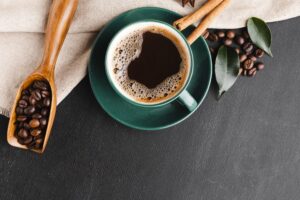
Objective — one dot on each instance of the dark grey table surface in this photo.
(246, 146)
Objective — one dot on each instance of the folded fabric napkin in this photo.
(22, 25)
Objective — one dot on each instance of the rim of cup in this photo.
(121, 34)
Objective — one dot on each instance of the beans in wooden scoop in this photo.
(32, 114)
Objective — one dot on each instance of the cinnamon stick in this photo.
(207, 21)
(186, 21)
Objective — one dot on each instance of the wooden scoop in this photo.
(59, 20)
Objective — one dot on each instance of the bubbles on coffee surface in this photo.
(129, 49)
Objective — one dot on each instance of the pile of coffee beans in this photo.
(241, 42)
(32, 113)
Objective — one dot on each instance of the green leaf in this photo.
(226, 69)
(260, 34)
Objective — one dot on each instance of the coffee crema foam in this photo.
(128, 49)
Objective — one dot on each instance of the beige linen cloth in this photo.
(22, 23)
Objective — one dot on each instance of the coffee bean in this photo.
(240, 71)
(32, 100)
(44, 111)
(47, 102)
(37, 94)
(30, 89)
(39, 140)
(248, 64)
(248, 53)
(38, 137)
(252, 57)
(228, 42)
(39, 105)
(31, 145)
(29, 110)
(25, 97)
(260, 66)
(40, 85)
(43, 122)
(237, 50)
(205, 35)
(221, 34)
(37, 116)
(230, 34)
(252, 72)
(213, 37)
(34, 123)
(26, 126)
(240, 40)
(35, 132)
(23, 104)
(19, 111)
(21, 118)
(20, 141)
(35, 146)
(246, 34)
(259, 53)
(243, 57)
(23, 133)
(25, 92)
(248, 47)
(45, 94)
(20, 125)
(38, 143)
(27, 140)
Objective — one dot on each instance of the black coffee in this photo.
(150, 64)
(158, 60)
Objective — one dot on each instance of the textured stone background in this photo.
(246, 146)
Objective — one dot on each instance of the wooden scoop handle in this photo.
(59, 20)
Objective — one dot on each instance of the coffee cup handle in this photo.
(186, 99)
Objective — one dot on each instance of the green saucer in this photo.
(135, 116)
